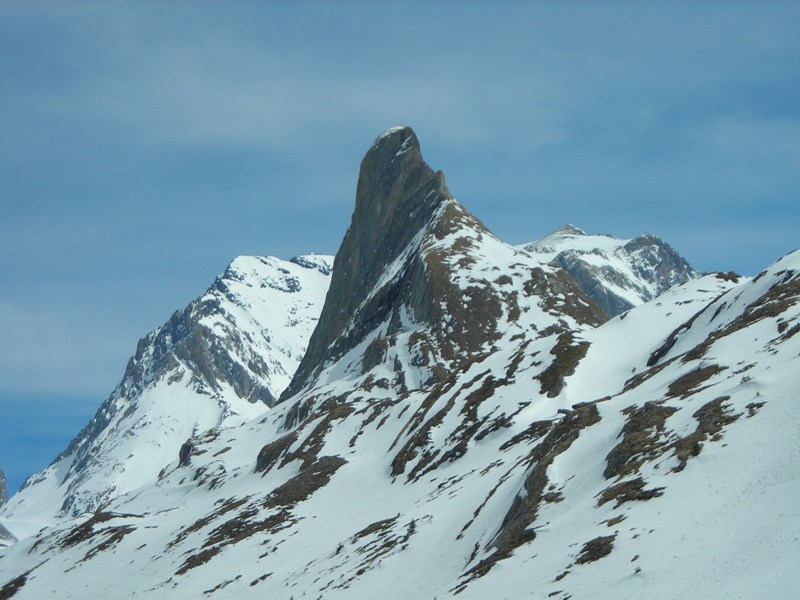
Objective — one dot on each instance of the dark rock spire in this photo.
(399, 201)
(397, 195)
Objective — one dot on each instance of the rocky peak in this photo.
(658, 263)
(542, 444)
(398, 199)
(618, 274)
(397, 195)
(222, 360)
(412, 277)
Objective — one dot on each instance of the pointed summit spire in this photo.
(397, 194)
(380, 266)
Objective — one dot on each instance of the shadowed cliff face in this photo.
(397, 195)
(381, 266)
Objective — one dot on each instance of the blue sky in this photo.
(143, 146)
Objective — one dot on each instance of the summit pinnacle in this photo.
(412, 266)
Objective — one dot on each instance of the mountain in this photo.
(420, 287)
(222, 360)
(3, 488)
(470, 424)
(617, 274)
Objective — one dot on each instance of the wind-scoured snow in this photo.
(571, 238)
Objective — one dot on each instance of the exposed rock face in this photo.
(6, 537)
(657, 263)
(617, 274)
(3, 488)
(397, 196)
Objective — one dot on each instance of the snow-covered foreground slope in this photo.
(678, 485)
(617, 274)
(219, 362)
(471, 428)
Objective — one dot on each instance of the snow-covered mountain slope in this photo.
(617, 274)
(219, 362)
(471, 428)
(6, 537)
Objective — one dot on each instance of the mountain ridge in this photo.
(617, 273)
(217, 362)
(527, 444)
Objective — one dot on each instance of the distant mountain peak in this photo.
(223, 359)
(567, 229)
(617, 273)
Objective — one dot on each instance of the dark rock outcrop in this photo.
(6, 537)
(402, 206)
(658, 262)
(3, 488)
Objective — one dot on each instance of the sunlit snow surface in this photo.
(725, 526)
